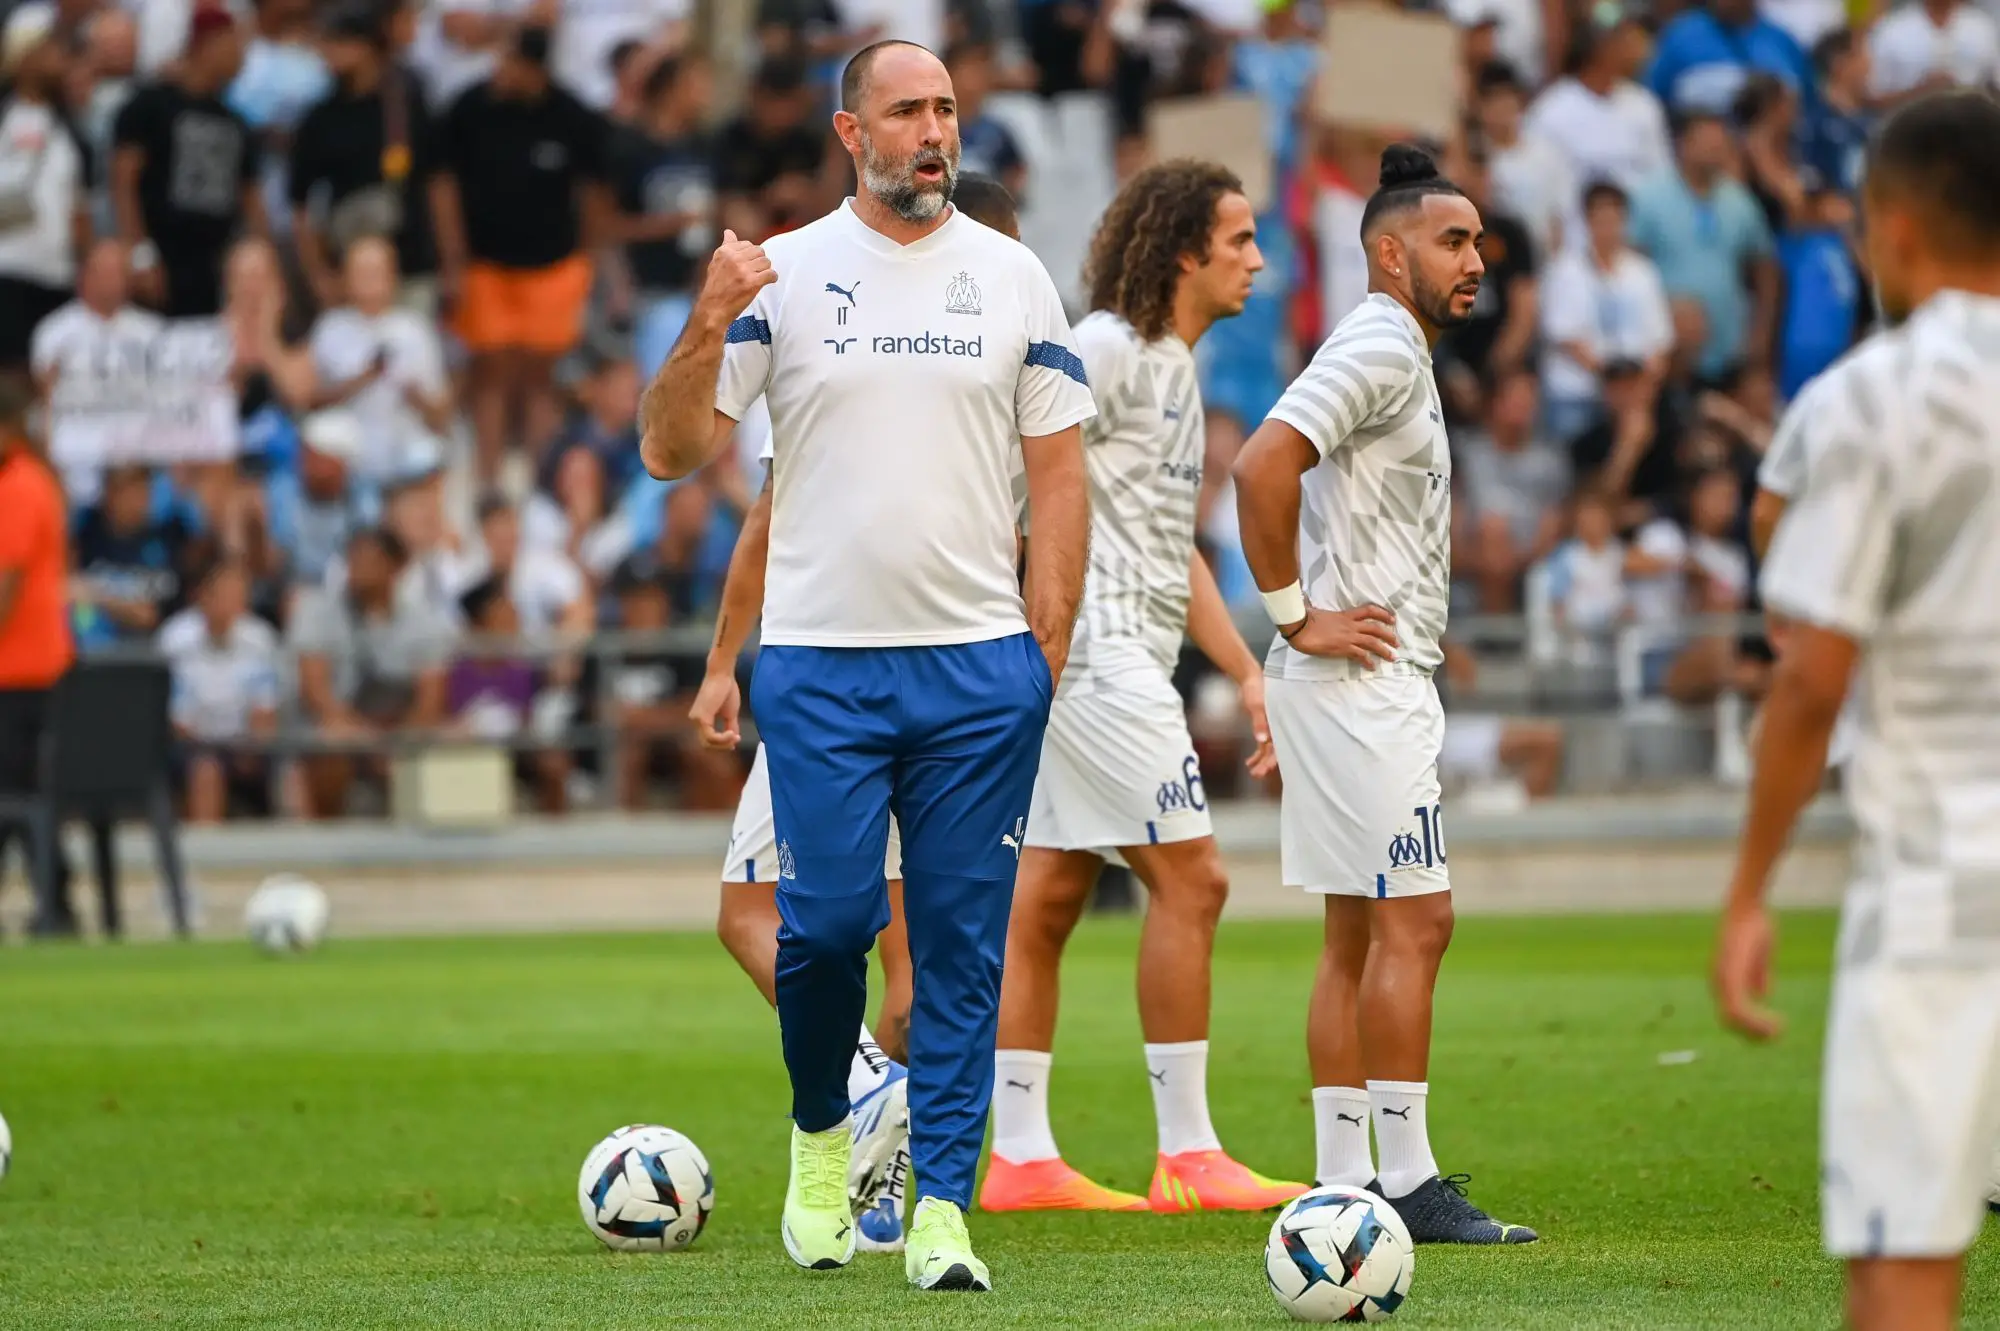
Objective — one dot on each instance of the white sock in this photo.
(1179, 1074)
(1021, 1106)
(1402, 1135)
(1340, 1131)
(869, 1069)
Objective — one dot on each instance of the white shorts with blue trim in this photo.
(1118, 769)
(753, 838)
(1361, 814)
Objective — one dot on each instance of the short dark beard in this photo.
(1434, 304)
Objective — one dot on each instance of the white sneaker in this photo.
(881, 1225)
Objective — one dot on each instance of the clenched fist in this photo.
(736, 272)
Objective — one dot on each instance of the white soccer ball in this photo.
(6, 1146)
(286, 913)
(646, 1188)
(1339, 1254)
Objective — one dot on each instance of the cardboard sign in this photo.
(158, 396)
(1227, 129)
(1385, 69)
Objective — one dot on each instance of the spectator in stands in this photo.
(282, 76)
(35, 644)
(225, 670)
(1632, 453)
(491, 691)
(1707, 236)
(129, 562)
(1766, 120)
(1923, 45)
(44, 199)
(275, 377)
(1530, 176)
(1601, 303)
(75, 356)
(370, 662)
(1704, 570)
(1825, 302)
(985, 144)
(768, 161)
(110, 58)
(523, 203)
(1607, 126)
(185, 172)
(381, 362)
(1705, 54)
(364, 163)
(313, 512)
(607, 426)
(1499, 337)
(663, 183)
(1587, 578)
(651, 689)
(1487, 750)
(577, 516)
(589, 32)
(1833, 128)
(413, 510)
(547, 593)
(1515, 483)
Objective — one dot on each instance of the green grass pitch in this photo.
(387, 1134)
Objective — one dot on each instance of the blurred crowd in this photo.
(338, 314)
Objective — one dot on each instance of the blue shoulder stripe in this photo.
(1056, 356)
(748, 328)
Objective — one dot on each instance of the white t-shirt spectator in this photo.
(448, 69)
(542, 584)
(1517, 35)
(88, 357)
(1905, 48)
(1533, 181)
(218, 686)
(1725, 563)
(590, 30)
(38, 157)
(1620, 315)
(545, 526)
(345, 342)
(1620, 137)
(1588, 586)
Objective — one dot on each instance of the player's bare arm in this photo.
(1268, 495)
(718, 704)
(1214, 631)
(1059, 508)
(1808, 687)
(680, 429)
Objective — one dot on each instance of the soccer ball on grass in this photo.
(645, 1188)
(286, 913)
(1339, 1255)
(6, 1146)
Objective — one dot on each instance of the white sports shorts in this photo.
(753, 838)
(1118, 769)
(1361, 814)
(1910, 1101)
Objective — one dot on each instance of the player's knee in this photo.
(1199, 892)
(832, 928)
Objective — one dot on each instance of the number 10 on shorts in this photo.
(1431, 820)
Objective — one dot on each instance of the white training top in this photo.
(1894, 541)
(1375, 525)
(1143, 454)
(901, 380)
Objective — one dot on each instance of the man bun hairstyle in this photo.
(1408, 175)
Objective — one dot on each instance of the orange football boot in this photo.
(1048, 1185)
(1211, 1181)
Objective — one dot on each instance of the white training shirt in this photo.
(901, 380)
(1375, 524)
(1144, 457)
(1894, 541)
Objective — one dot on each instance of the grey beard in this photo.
(901, 192)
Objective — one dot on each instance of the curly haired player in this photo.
(1174, 253)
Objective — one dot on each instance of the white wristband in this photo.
(1287, 605)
